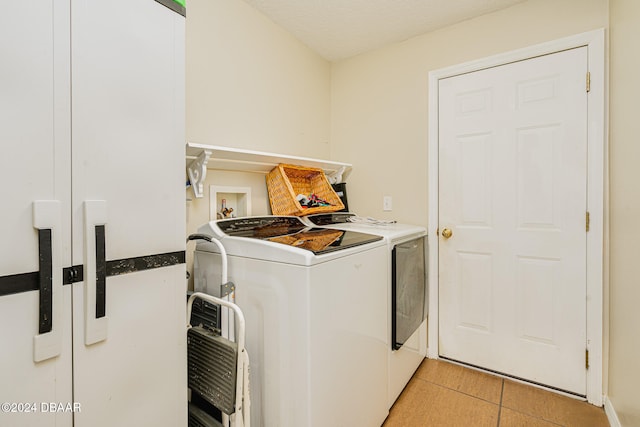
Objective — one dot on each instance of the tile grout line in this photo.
(535, 416)
(500, 405)
(437, 384)
(430, 379)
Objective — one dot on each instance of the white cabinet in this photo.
(92, 142)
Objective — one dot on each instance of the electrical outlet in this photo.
(387, 203)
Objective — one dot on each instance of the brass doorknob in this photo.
(446, 233)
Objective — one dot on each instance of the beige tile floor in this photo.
(445, 394)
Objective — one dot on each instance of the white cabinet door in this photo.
(92, 134)
(35, 326)
(128, 177)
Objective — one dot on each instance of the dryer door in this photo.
(408, 290)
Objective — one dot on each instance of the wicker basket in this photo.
(285, 182)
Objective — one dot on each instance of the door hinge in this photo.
(588, 81)
(586, 359)
(587, 221)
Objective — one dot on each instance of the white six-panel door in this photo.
(512, 191)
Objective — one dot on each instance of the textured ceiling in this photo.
(338, 29)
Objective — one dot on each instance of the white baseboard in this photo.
(611, 413)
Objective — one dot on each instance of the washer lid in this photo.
(293, 232)
(261, 226)
(392, 232)
(329, 218)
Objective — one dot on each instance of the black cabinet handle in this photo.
(95, 272)
(48, 280)
(45, 281)
(101, 273)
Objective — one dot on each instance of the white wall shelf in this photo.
(202, 157)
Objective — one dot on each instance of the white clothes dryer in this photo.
(407, 287)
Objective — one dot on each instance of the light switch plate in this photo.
(387, 203)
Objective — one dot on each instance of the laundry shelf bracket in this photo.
(197, 171)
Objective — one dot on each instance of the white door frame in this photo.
(596, 177)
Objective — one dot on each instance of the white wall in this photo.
(624, 342)
(251, 85)
(380, 99)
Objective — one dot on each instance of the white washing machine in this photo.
(407, 287)
(314, 301)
